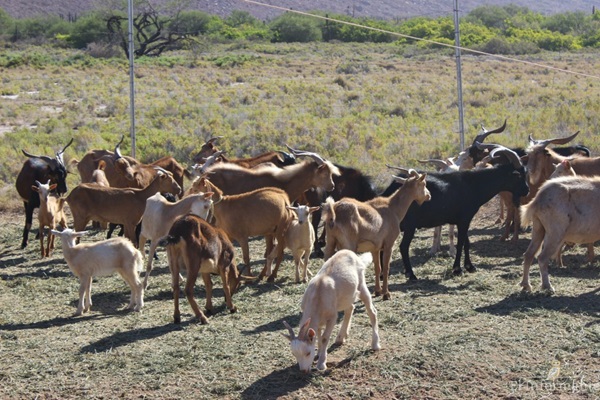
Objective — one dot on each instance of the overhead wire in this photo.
(466, 49)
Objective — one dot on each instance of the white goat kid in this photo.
(50, 214)
(103, 258)
(337, 285)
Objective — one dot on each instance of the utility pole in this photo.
(461, 124)
(131, 80)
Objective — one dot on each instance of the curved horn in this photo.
(440, 164)
(287, 156)
(49, 160)
(64, 148)
(546, 142)
(290, 330)
(510, 155)
(161, 169)
(117, 149)
(320, 160)
(214, 139)
(481, 137)
(403, 170)
(210, 160)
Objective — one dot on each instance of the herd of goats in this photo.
(279, 197)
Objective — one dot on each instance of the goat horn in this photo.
(510, 155)
(441, 164)
(546, 142)
(403, 170)
(49, 160)
(214, 139)
(117, 149)
(64, 148)
(320, 160)
(210, 160)
(481, 137)
(286, 156)
(290, 330)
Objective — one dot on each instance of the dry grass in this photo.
(474, 336)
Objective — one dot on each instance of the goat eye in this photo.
(308, 354)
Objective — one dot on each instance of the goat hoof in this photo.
(271, 279)
(208, 312)
(204, 321)
(177, 320)
(233, 310)
(471, 269)
(386, 296)
(412, 277)
(457, 272)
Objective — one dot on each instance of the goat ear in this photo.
(525, 159)
(313, 209)
(310, 335)
(208, 195)
(35, 188)
(53, 186)
(422, 177)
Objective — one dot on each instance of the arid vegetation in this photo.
(364, 105)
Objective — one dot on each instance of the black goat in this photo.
(350, 183)
(456, 196)
(42, 169)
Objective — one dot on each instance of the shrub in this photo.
(295, 28)
(88, 29)
(191, 23)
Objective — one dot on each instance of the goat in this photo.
(194, 245)
(261, 212)
(456, 197)
(373, 225)
(349, 183)
(278, 158)
(117, 205)
(39, 168)
(565, 209)
(87, 260)
(123, 171)
(299, 238)
(337, 285)
(293, 179)
(50, 213)
(159, 215)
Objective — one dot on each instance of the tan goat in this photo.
(261, 212)
(373, 225)
(564, 210)
(50, 214)
(194, 245)
(117, 205)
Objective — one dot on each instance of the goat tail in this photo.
(328, 212)
(169, 240)
(366, 258)
(527, 213)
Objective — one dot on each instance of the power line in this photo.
(423, 40)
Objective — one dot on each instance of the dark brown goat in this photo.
(278, 158)
(42, 169)
(196, 246)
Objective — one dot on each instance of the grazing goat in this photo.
(39, 168)
(564, 210)
(87, 260)
(337, 285)
(455, 199)
(50, 213)
(194, 245)
(261, 212)
(293, 179)
(117, 205)
(159, 215)
(373, 225)
(299, 238)
(278, 158)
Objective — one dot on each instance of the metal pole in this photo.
(461, 124)
(131, 79)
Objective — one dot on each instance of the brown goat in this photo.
(117, 205)
(262, 212)
(278, 158)
(196, 246)
(373, 225)
(293, 179)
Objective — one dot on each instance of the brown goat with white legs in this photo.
(196, 246)
(373, 225)
(87, 260)
(336, 287)
(50, 213)
(159, 215)
(293, 179)
(564, 210)
(117, 205)
(261, 212)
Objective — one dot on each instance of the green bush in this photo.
(295, 28)
(193, 23)
(490, 16)
(89, 29)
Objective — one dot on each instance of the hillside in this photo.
(384, 9)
